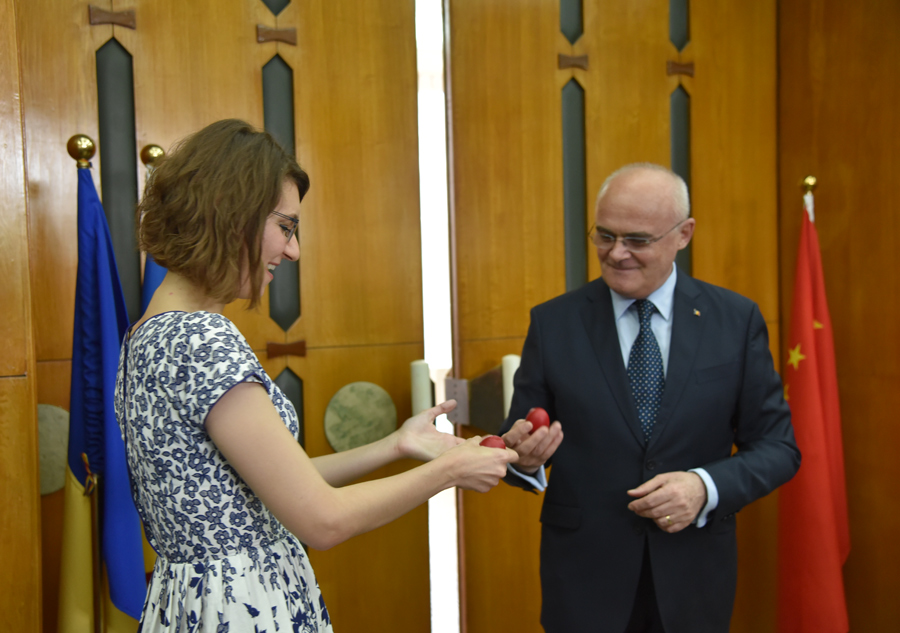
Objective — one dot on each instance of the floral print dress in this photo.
(226, 564)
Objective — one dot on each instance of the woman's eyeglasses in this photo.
(287, 229)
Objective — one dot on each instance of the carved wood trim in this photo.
(678, 68)
(570, 61)
(296, 348)
(126, 18)
(267, 34)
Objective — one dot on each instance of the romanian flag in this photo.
(813, 536)
(100, 524)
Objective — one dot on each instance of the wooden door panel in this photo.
(627, 93)
(512, 593)
(507, 168)
(15, 308)
(733, 141)
(733, 162)
(20, 528)
(20, 520)
(53, 380)
(508, 188)
(355, 95)
(354, 70)
(59, 99)
(501, 533)
(379, 579)
(196, 63)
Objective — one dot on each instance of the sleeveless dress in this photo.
(226, 564)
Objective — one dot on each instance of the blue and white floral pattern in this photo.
(226, 564)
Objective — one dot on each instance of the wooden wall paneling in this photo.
(733, 136)
(360, 269)
(838, 121)
(733, 158)
(626, 91)
(501, 532)
(508, 164)
(53, 380)
(381, 576)
(20, 523)
(59, 99)
(195, 64)
(15, 310)
(627, 96)
(355, 94)
(20, 528)
(350, 129)
(507, 152)
(52, 506)
(754, 606)
(199, 64)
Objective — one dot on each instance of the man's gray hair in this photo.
(682, 200)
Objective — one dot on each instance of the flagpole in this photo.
(91, 491)
(82, 148)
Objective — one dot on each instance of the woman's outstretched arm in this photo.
(248, 431)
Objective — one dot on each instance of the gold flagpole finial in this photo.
(809, 184)
(81, 148)
(150, 154)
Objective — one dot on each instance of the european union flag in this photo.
(100, 323)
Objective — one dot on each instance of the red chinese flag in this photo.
(813, 534)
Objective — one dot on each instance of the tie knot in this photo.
(645, 310)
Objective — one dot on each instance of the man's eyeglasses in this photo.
(287, 229)
(605, 241)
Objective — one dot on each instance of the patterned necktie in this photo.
(645, 370)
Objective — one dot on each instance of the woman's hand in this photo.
(475, 467)
(418, 438)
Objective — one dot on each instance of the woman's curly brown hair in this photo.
(205, 207)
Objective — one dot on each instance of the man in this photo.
(638, 521)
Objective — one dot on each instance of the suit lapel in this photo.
(600, 325)
(687, 328)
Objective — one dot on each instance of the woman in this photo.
(225, 491)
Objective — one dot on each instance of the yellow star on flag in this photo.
(817, 325)
(795, 357)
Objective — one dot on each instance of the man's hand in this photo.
(533, 449)
(672, 500)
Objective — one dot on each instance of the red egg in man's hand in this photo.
(538, 418)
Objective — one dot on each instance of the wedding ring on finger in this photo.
(668, 519)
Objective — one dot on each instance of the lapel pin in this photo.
(696, 312)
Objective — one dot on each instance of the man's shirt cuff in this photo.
(712, 496)
(538, 480)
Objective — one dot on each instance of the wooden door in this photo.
(20, 520)
(509, 251)
(354, 80)
(510, 67)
